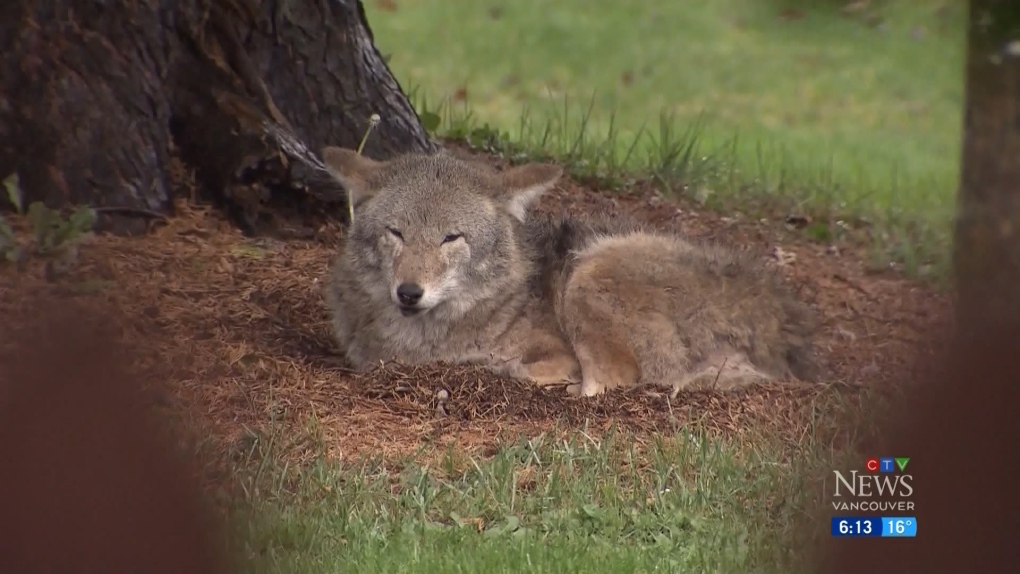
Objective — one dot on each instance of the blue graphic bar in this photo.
(874, 526)
(856, 526)
(899, 526)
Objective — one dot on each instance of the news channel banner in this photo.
(881, 494)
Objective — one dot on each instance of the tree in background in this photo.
(109, 103)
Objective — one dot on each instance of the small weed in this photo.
(13, 186)
(9, 248)
(55, 237)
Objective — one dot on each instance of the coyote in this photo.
(444, 263)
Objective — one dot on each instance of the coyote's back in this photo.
(443, 263)
(644, 306)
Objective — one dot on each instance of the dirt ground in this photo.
(234, 334)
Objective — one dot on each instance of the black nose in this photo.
(409, 293)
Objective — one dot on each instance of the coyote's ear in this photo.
(526, 183)
(353, 170)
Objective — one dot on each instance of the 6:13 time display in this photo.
(856, 526)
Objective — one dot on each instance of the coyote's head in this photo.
(433, 233)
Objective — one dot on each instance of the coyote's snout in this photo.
(444, 263)
(421, 271)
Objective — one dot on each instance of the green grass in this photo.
(680, 503)
(833, 115)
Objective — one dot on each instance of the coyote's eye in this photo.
(395, 233)
(452, 237)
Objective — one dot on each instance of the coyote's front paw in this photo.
(554, 371)
(582, 389)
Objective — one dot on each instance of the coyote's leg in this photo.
(599, 330)
(723, 370)
(605, 363)
(547, 359)
(556, 370)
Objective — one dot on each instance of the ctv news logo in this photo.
(883, 478)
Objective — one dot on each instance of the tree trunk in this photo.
(987, 246)
(101, 98)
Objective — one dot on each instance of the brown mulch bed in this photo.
(235, 333)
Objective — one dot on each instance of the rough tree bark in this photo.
(987, 246)
(101, 97)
